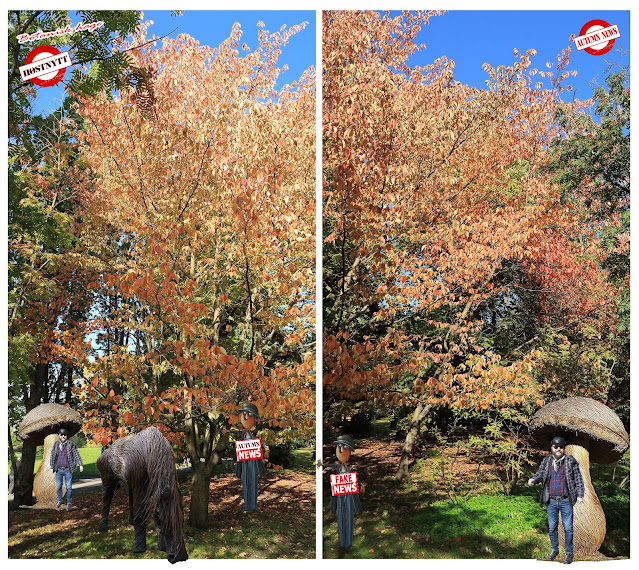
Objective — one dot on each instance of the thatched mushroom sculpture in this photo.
(40, 426)
(593, 432)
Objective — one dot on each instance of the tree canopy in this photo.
(204, 190)
(454, 260)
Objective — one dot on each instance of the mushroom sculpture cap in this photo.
(582, 421)
(46, 419)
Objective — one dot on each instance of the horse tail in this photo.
(163, 493)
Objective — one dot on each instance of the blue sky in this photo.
(212, 28)
(471, 38)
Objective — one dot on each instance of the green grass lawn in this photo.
(89, 456)
(400, 520)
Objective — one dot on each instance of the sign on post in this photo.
(248, 449)
(344, 484)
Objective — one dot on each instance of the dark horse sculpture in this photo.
(145, 462)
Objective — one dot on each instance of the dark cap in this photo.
(250, 409)
(345, 441)
(63, 431)
(558, 440)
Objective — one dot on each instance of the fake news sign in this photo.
(248, 449)
(344, 484)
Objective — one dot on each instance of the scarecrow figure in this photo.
(344, 506)
(250, 469)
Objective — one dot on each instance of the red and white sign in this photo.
(248, 449)
(344, 484)
(597, 37)
(45, 66)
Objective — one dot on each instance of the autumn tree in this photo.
(48, 299)
(597, 155)
(438, 206)
(202, 215)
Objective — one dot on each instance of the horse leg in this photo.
(108, 489)
(130, 504)
(162, 543)
(139, 511)
(139, 537)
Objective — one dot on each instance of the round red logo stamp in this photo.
(45, 66)
(597, 37)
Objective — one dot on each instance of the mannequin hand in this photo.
(81, 468)
(580, 500)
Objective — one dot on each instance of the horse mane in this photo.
(148, 454)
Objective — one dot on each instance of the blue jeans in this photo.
(553, 509)
(66, 474)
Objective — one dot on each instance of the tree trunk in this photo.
(421, 411)
(23, 493)
(200, 482)
(13, 459)
(512, 479)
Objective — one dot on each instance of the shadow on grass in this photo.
(396, 525)
(410, 520)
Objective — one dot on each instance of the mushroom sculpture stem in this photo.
(589, 521)
(44, 483)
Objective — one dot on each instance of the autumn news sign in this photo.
(344, 484)
(248, 449)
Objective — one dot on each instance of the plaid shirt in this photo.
(573, 480)
(558, 482)
(62, 461)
